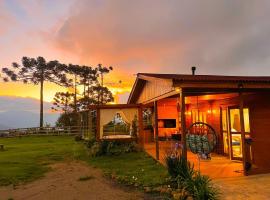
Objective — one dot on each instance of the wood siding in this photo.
(154, 88)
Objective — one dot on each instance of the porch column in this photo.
(141, 133)
(156, 129)
(183, 122)
(243, 143)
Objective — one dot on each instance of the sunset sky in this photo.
(228, 37)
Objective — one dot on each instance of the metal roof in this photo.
(188, 77)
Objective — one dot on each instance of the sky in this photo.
(227, 37)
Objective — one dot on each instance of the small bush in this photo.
(200, 188)
(112, 148)
(179, 166)
(90, 143)
(78, 138)
(95, 149)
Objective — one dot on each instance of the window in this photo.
(246, 120)
(235, 120)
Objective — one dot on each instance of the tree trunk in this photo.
(84, 85)
(75, 93)
(66, 103)
(88, 93)
(41, 104)
(101, 88)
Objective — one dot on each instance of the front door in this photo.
(235, 131)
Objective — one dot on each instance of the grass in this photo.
(86, 178)
(136, 168)
(27, 158)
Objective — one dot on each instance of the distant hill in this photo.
(4, 127)
(18, 112)
(23, 119)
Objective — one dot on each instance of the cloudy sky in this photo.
(230, 37)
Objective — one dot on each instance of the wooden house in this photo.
(237, 108)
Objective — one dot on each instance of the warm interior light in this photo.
(177, 89)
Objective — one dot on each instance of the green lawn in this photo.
(136, 168)
(27, 158)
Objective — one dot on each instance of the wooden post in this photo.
(140, 123)
(242, 123)
(90, 124)
(156, 129)
(98, 124)
(183, 123)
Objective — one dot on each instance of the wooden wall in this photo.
(259, 106)
(154, 88)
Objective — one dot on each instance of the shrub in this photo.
(200, 188)
(178, 165)
(95, 149)
(111, 147)
(90, 143)
(184, 177)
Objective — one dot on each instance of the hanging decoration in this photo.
(201, 139)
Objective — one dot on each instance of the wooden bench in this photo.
(1, 147)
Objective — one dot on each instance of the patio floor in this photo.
(245, 187)
(218, 167)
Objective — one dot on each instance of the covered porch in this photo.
(170, 128)
(176, 107)
(218, 167)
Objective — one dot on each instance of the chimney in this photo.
(193, 70)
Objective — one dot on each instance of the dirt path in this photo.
(62, 183)
(245, 188)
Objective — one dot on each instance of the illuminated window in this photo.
(235, 120)
(246, 120)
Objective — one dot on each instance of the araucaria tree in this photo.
(64, 102)
(38, 71)
(75, 71)
(101, 72)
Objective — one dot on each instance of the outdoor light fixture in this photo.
(177, 89)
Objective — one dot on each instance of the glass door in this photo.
(235, 131)
(225, 134)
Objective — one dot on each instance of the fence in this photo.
(84, 131)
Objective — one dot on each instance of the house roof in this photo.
(188, 77)
(143, 77)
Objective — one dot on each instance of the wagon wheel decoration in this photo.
(201, 139)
